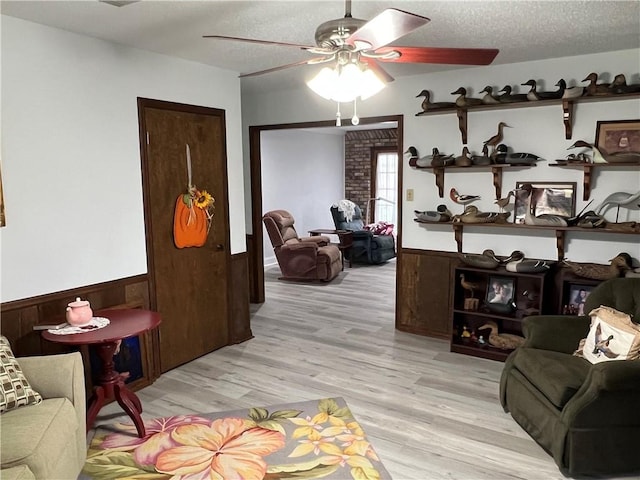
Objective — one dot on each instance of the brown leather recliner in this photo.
(306, 258)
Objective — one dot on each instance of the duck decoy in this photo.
(596, 155)
(618, 267)
(463, 100)
(508, 97)
(619, 199)
(595, 88)
(570, 92)
(505, 341)
(480, 260)
(440, 159)
(432, 216)
(471, 287)
(427, 105)
(533, 94)
(521, 158)
(543, 220)
(619, 85)
(471, 214)
(413, 156)
(497, 138)
(488, 98)
(528, 266)
(419, 162)
(462, 199)
(483, 159)
(464, 160)
(503, 202)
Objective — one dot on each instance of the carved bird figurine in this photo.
(428, 105)
(618, 267)
(506, 341)
(471, 287)
(413, 156)
(488, 98)
(508, 97)
(595, 88)
(596, 155)
(463, 100)
(497, 138)
(504, 201)
(462, 199)
(533, 93)
(570, 92)
(440, 159)
(619, 199)
(619, 85)
(464, 160)
(602, 344)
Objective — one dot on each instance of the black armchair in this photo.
(367, 247)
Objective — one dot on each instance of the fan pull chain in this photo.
(355, 120)
(338, 117)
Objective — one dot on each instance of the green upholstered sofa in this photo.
(586, 416)
(47, 440)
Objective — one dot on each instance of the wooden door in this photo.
(189, 286)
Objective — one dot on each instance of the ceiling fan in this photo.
(351, 39)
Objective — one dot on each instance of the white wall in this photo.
(538, 130)
(303, 173)
(71, 157)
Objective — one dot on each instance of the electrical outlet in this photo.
(409, 194)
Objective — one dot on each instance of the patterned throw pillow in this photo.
(613, 336)
(15, 390)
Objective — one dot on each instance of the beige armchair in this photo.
(48, 440)
(306, 258)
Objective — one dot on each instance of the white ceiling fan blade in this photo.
(388, 26)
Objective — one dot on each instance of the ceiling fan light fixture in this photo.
(345, 83)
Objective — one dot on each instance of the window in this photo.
(384, 188)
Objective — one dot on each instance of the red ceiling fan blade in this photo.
(388, 26)
(452, 56)
(377, 69)
(282, 67)
(253, 40)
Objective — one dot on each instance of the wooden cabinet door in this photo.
(189, 286)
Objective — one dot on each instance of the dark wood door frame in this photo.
(255, 159)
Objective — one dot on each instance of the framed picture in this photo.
(551, 198)
(500, 291)
(578, 294)
(618, 136)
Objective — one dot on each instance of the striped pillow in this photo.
(15, 390)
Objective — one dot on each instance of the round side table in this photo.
(123, 324)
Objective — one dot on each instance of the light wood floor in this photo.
(429, 413)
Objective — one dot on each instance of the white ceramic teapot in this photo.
(79, 312)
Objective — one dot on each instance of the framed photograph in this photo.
(551, 198)
(618, 136)
(500, 291)
(578, 294)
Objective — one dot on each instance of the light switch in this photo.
(409, 194)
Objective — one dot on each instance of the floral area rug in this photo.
(315, 439)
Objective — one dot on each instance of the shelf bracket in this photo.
(560, 237)
(497, 181)
(439, 173)
(457, 234)
(567, 117)
(462, 123)
(586, 182)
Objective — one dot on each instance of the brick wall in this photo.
(358, 145)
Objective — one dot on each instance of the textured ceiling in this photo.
(522, 30)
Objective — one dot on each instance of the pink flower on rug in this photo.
(228, 449)
(157, 438)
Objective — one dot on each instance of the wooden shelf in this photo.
(588, 169)
(560, 232)
(496, 171)
(567, 105)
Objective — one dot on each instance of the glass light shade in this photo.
(345, 84)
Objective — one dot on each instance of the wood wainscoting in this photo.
(20, 316)
(423, 285)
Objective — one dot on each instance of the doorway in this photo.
(255, 241)
(189, 287)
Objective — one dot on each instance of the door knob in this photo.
(219, 247)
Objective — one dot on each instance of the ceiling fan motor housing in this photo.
(334, 32)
